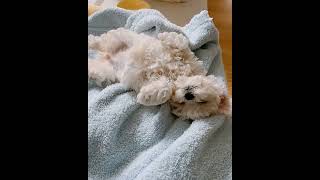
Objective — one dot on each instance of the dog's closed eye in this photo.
(202, 102)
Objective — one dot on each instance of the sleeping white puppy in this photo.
(159, 69)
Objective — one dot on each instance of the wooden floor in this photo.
(221, 12)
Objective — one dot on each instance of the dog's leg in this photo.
(155, 93)
(174, 40)
(113, 41)
(101, 71)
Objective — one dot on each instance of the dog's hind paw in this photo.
(174, 40)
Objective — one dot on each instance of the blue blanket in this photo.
(129, 141)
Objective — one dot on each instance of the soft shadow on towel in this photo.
(129, 141)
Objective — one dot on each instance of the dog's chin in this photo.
(193, 110)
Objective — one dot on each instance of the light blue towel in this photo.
(129, 141)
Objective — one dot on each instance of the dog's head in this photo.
(199, 97)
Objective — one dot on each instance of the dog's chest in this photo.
(159, 62)
(171, 69)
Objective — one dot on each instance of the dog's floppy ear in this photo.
(225, 103)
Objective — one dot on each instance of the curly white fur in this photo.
(159, 69)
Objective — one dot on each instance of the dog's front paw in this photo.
(152, 96)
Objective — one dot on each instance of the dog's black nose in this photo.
(189, 96)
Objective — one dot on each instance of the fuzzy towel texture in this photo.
(129, 141)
